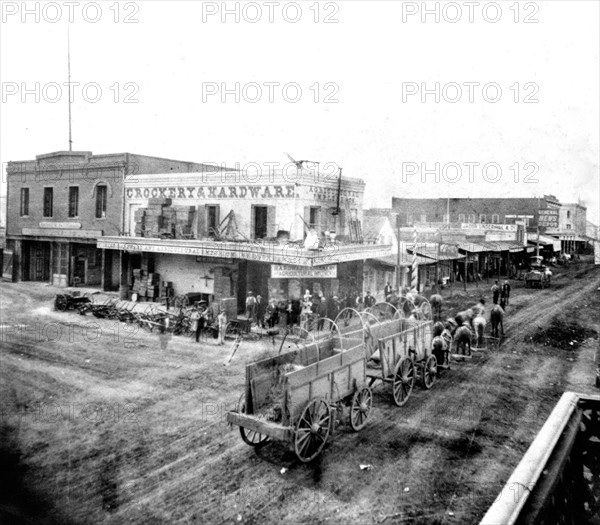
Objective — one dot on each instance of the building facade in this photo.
(220, 236)
(533, 211)
(59, 204)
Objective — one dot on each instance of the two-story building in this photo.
(223, 235)
(59, 204)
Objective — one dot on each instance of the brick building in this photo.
(223, 235)
(476, 210)
(572, 227)
(59, 205)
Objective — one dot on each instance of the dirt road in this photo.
(106, 426)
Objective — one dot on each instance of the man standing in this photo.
(369, 300)
(260, 311)
(495, 292)
(506, 290)
(387, 291)
(250, 307)
(222, 324)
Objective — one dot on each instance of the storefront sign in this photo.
(548, 218)
(48, 232)
(213, 192)
(486, 226)
(321, 193)
(282, 271)
(61, 225)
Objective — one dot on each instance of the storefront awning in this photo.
(545, 240)
(268, 252)
(509, 246)
(443, 252)
(405, 260)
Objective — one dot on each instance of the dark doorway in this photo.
(39, 261)
(260, 222)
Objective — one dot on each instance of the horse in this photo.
(479, 326)
(496, 318)
(465, 317)
(479, 308)
(462, 337)
(438, 328)
(440, 346)
(437, 301)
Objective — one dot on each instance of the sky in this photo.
(504, 100)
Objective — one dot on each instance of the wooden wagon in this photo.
(398, 347)
(293, 397)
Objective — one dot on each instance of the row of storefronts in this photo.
(178, 228)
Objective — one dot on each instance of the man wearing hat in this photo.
(250, 307)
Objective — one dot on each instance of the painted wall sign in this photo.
(282, 271)
(548, 218)
(330, 194)
(486, 226)
(212, 192)
(61, 225)
(50, 232)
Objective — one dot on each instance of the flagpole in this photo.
(69, 84)
(415, 265)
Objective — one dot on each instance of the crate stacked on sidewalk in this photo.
(138, 283)
(152, 289)
(167, 292)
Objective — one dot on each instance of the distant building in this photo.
(477, 210)
(60, 204)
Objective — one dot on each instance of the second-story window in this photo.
(495, 219)
(73, 201)
(24, 202)
(48, 201)
(481, 217)
(101, 202)
(461, 217)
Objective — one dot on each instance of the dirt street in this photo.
(103, 422)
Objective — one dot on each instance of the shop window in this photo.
(24, 202)
(314, 219)
(212, 220)
(101, 193)
(48, 201)
(260, 222)
(73, 201)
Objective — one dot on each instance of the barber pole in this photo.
(415, 265)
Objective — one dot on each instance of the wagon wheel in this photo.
(404, 380)
(312, 430)
(61, 303)
(362, 401)
(250, 437)
(429, 372)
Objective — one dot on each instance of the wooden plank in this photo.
(268, 428)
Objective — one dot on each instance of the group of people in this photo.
(501, 293)
(203, 318)
(302, 311)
